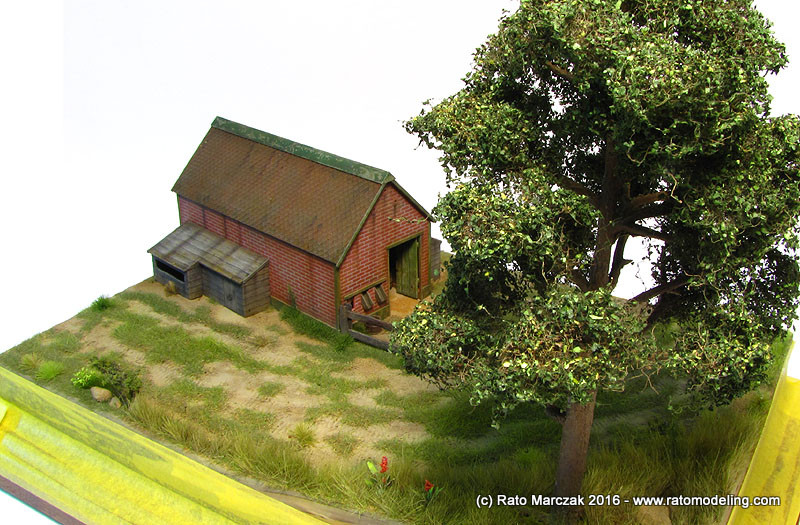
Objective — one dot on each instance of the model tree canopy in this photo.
(584, 123)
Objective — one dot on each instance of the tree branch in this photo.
(641, 200)
(560, 71)
(619, 261)
(643, 231)
(646, 212)
(661, 288)
(580, 189)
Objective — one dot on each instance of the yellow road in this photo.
(100, 472)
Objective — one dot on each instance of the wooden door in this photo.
(408, 269)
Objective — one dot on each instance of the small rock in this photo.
(115, 402)
(653, 515)
(101, 395)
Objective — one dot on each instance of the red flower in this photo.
(384, 464)
(428, 485)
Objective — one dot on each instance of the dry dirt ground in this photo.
(271, 341)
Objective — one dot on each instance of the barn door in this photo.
(408, 269)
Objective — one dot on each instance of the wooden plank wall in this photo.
(223, 290)
(256, 292)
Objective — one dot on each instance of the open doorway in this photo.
(404, 268)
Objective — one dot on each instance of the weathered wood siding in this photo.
(226, 292)
(256, 292)
(191, 287)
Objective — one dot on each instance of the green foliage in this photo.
(87, 377)
(583, 124)
(121, 381)
(49, 370)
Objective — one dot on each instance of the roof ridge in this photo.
(352, 167)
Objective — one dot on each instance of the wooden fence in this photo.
(346, 318)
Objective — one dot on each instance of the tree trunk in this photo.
(572, 456)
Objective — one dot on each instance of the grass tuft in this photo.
(30, 362)
(302, 435)
(49, 370)
(101, 304)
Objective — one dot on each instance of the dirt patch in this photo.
(367, 438)
(398, 381)
(101, 340)
(72, 326)
(365, 398)
(163, 374)
(241, 387)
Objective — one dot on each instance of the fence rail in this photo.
(346, 318)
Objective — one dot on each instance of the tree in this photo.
(584, 123)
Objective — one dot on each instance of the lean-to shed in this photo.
(328, 230)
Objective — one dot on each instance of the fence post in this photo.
(344, 318)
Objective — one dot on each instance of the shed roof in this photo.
(191, 244)
(311, 199)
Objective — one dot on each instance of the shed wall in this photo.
(226, 292)
(191, 287)
(393, 219)
(309, 279)
(256, 292)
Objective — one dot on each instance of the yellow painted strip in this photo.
(775, 467)
(101, 472)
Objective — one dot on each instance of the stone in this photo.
(653, 515)
(101, 395)
(115, 402)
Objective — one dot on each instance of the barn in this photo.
(263, 217)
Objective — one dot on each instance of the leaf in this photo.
(371, 467)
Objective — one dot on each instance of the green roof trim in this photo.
(301, 150)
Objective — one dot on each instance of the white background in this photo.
(104, 102)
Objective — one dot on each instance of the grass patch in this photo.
(172, 343)
(342, 443)
(350, 414)
(49, 370)
(270, 389)
(354, 350)
(305, 325)
(254, 418)
(201, 314)
(186, 390)
(638, 446)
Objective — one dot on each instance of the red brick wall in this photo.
(310, 278)
(368, 259)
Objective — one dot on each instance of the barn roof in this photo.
(190, 244)
(311, 199)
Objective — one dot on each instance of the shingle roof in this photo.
(311, 199)
(190, 244)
